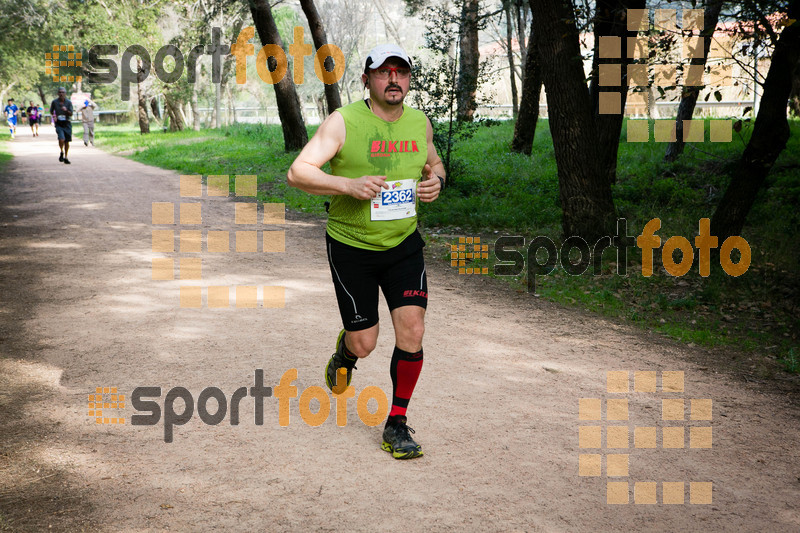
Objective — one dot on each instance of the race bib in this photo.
(396, 202)
(61, 118)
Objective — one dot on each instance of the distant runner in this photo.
(34, 113)
(61, 111)
(11, 111)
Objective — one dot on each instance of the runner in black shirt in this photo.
(61, 111)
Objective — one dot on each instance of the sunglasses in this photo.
(382, 73)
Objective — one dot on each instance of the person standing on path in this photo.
(87, 117)
(11, 111)
(382, 161)
(60, 113)
(34, 113)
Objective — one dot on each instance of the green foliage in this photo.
(433, 84)
(24, 28)
(497, 189)
(791, 361)
(286, 19)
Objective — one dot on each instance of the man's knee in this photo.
(361, 343)
(411, 329)
(416, 331)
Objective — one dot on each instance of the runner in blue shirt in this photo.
(11, 116)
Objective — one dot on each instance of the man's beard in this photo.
(394, 86)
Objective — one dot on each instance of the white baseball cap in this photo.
(378, 55)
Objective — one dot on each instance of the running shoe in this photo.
(61, 157)
(397, 439)
(66, 161)
(337, 361)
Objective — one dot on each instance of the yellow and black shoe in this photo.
(339, 360)
(397, 439)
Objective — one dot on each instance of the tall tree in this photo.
(510, 52)
(521, 9)
(332, 97)
(689, 94)
(470, 61)
(610, 21)
(141, 98)
(770, 133)
(584, 187)
(794, 97)
(525, 127)
(227, 65)
(295, 135)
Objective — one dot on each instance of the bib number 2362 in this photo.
(397, 202)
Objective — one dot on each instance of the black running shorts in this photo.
(357, 274)
(64, 131)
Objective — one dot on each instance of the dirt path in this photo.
(496, 408)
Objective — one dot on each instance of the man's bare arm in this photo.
(429, 188)
(306, 174)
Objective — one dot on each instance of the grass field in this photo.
(5, 156)
(495, 192)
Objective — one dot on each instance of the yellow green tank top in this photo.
(375, 147)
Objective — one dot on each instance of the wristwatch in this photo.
(441, 182)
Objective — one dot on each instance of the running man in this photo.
(11, 111)
(382, 160)
(34, 113)
(87, 117)
(60, 113)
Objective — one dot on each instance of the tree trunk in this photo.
(690, 93)
(770, 133)
(295, 135)
(388, 21)
(154, 108)
(195, 111)
(227, 64)
(144, 121)
(511, 69)
(470, 61)
(520, 8)
(347, 89)
(525, 127)
(231, 106)
(332, 96)
(42, 96)
(320, 101)
(172, 109)
(584, 188)
(611, 21)
(182, 109)
(217, 115)
(794, 97)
